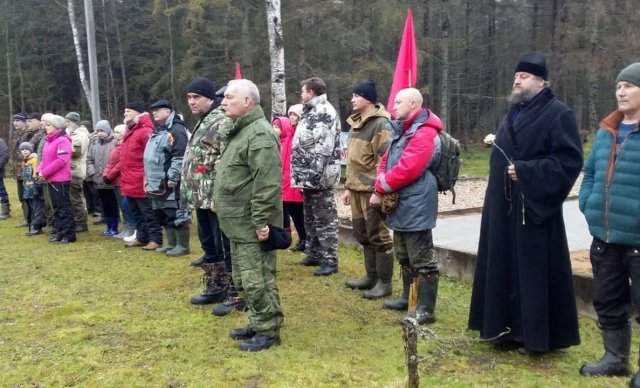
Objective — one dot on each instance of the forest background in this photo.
(149, 49)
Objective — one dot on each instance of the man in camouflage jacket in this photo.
(315, 167)
(196, 189)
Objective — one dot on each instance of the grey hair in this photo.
(245, 88)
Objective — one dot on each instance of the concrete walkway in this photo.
(461, 233)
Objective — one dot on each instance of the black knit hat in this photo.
(136, 105)
(35, 115)
(279, 238)
(21, 116)
(203, 87)
(161, 104)
(367, 89)
(533, 63)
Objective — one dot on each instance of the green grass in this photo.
(475, 161)
(92, 314)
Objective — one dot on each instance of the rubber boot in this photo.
(182, 246)
(615, 361)
(384, 265)
(215, 284)
(170, 241)
(427, 295)
(5, 210)
(401, 303)
(371, 277)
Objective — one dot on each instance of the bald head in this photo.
(240, 97)
(406, 103)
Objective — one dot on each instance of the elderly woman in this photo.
(55, 169)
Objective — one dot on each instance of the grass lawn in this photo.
(475, 161)
(92, 314)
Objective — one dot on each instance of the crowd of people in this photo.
(246, 178)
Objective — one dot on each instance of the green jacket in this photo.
(247, 189)
(200, 158)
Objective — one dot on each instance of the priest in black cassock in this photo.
(523, 290)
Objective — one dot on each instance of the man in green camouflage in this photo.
(198, 174)
(249, 206)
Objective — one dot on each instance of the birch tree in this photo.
(78, 48)
(276, 50)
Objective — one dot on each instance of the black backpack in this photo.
(447, 169)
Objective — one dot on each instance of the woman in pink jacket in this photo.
(55, 169)
(291, 198)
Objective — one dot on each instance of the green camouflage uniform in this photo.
(248, 198)
(200, 159)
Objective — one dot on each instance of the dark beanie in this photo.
(533, 63)
(630, 74)
(21, 116)
(136, 105)
(367, 89)
(161, 104)
(203, 87)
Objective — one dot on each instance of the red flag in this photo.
(405, 75)
(238, 71)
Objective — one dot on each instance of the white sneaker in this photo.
(131, 238)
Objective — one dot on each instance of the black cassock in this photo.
(523, 282)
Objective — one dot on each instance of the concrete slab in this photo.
(461, 233)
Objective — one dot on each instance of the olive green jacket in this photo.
(247, 185)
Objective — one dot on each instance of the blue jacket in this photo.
(610, 191)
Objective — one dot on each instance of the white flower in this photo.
(489, 139)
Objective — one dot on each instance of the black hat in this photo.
(136, 105)
(161, 104)
(21, 116)
(203, 87)
(533, 63)
(367, 89)
(279, 238)
(35, 115)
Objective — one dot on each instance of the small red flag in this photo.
(238, 72)
(405, 75)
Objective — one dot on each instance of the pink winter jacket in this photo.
(289, 194)
(56, 158)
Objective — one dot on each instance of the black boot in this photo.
(309, 262)
(384, 266)
(368, 281)
(615, 361)
(215, 283)
(427, 295)
(402, 302)
(233, 302)
(327, 268)
(170, 241)
(259, 342)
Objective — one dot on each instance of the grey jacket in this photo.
(97, 159)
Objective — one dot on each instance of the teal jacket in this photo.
(610, 191)
(247, 182)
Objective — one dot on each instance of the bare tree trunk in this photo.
(9, 85)
(123, 70)
(111, 83)
(20, 75)
(444, 98)
(78, 48)
(172, 66)
(594, 68)
(276, 49)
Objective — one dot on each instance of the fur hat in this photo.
(55, 120)
(533, 63)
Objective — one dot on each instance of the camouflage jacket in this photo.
(200, 159)
(369, 138)
(315, 153)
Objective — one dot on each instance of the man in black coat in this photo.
(523, 288)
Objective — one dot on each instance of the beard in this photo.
(519, 96)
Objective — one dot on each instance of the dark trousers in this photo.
(414, 250)
(78, 207)
(4, 196)
(214, 243)
(92, 197)
(23, 203)
(613, 265)
(48, 205)
(36, 212)
(295, 211)
(63, 223)
(109, 203)
(147, 227)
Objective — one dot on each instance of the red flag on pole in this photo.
(238, 72)
(405, 75)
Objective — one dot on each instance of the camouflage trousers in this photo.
(78, 206)
(415, 251)
(367, 221)
(321, 225)
(254, 271)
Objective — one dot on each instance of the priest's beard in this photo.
(519, 96)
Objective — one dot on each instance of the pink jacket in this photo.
(56, 158)
(289, 194)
